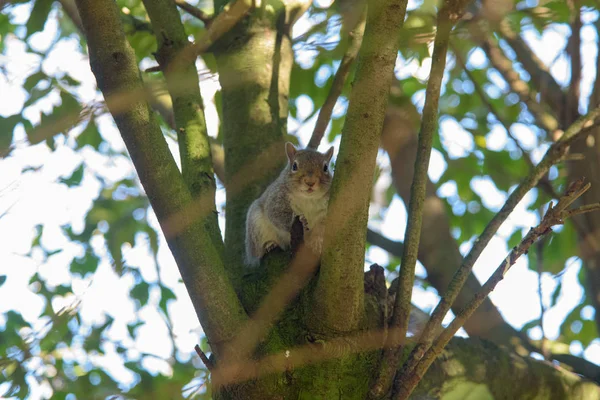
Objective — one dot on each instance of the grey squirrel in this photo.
(301, 190)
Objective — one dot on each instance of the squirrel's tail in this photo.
(252, 257)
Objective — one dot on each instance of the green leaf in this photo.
(15, 321)
(559, 248)
(166, 294)
(83, 266)
(35, 94)
(61, 120)
(555, 294)
(132, 327)
(2, 279)
(7, 127)
(531, 324)
(141, 293)
(75, 178)
(515, 238)
(39, 229)
(39, 15)
(33, 79)
(90, 136)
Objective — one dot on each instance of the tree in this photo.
(300, 326)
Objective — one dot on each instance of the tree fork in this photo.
(113, 63)
(254, 61)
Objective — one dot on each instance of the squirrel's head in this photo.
(308, 170)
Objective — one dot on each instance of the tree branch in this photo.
(595, 96)
(354, 41)
(438, 250)
(339, 292)
(71, 10)
(571, 107)
(550, 91)
(114, 65)
(544, 182)
(221, 24)
(194, 11)
(447, 16)
(391, 246)
(466, 365)
(497, 58)
(555, 154)
(188, 110)
(184, 88)
(554, 216)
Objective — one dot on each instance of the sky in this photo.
(37, 198)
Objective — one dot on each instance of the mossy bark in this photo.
(254, 62)
(339, 297)
(113, 63)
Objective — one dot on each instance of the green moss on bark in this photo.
(254, 62)
(199, 260)
(472, 366)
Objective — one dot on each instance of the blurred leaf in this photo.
(7, 126)
(75, 178)
(555, 294)
(63, 117)
(90, 136)
(140, 292)
(83, 266)
(515, 238)
(166, 294)
(132, 327)
(2, 279)
(33, 79)
(558, 248)
(39, 15)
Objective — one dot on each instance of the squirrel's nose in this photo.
(310, 183)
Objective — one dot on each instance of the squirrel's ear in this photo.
(290, 150)
(329, 154)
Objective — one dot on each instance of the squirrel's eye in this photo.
(295, 166)
(325, 168)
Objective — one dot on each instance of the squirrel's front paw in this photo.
(270, 246)
(304, 222)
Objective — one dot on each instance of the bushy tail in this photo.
(252, 256)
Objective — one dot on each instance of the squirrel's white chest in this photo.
(311, 209)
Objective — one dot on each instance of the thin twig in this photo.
(544, 182)
(541, 79)
(571, 108)
(555, 154)
(393, 247)
(540, 270)
(207, 363)
(505, 66)
(221, 24)
(447, 17)
(194, 11)
(354, 41)
(583, 209)
(554, 216)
